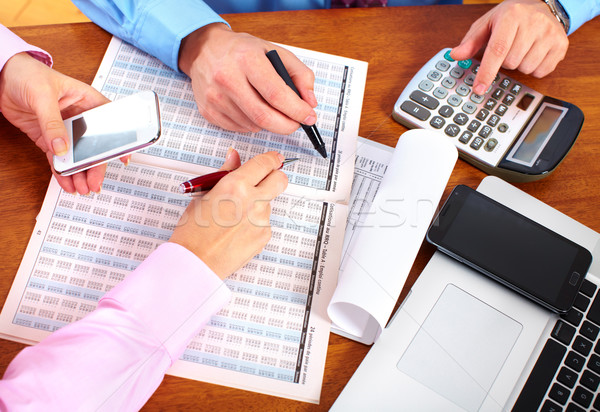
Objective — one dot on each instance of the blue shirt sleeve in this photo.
(155, 26)
(580, 11)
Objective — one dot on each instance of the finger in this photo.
(51, 123)
(218, 108)
(125, 160)
(302, 76)
(474, 40)
(257, 168)
(232, 160)
(272, 185)
(95, 177)
(279, 96)
(549, 63)
(498, 47)
(80, 183)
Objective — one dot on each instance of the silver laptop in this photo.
(462, 342)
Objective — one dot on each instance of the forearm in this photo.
(116, 357)
(155, 26)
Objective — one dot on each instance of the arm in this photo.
(35, 98)
(234, 84)
(520, 34)
(116, 357)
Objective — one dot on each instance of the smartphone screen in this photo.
(511, 248)
(110, 131)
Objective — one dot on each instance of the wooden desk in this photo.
(395, 42)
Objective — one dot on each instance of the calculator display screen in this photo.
(537, 134)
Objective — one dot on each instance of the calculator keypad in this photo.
(440, 97)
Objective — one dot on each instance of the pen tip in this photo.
(321, 149)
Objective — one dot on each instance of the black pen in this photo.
(311, 131)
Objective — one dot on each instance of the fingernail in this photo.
(280, 157)
(127, 161)
(479, 89)
(229, 152)
(310, 119)
(59, 146)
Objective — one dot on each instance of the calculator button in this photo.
(496, 79)
(476, 98)
(425, 85)
(501, 110)
(437, 122)
(457, 72)
(498, 93)
(442, 65)
(460, 119)
(490, 104)
(505, 83)
(502, 127)
(470, 79)
(485, 132)
(508, 99)
(482, 114)
(490, 144)
(446, 111)
(473, 126)
(447, 56)
(452, 130)
(476, 143)
(428, 101)
(516, 89)
(454, 100)
(463, 90)
(465, 137)
(465, 64)
(448, 82)
(440, 92)
(469, 108)
(415, 110)
(434, 75)
(475, 69)
(493, 120)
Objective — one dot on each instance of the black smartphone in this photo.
(510, 248)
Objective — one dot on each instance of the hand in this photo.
(35, 98)
(520, 34)
(229, 225)
(237, 88)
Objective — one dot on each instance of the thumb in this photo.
(232, 160)
(51, 124)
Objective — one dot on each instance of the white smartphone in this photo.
(110, 131)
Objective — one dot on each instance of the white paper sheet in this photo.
(384, 244)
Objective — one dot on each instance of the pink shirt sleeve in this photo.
(12, 44)
(115, 358)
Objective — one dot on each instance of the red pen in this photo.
(207, 182)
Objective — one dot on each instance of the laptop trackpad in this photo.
(460, 348)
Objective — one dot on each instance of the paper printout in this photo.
(386, 239)
(273, 335)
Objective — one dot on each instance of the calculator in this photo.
(511, 131)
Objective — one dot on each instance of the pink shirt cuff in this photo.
(13, 44)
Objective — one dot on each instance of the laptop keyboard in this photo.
(566, 375)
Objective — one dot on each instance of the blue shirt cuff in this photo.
(580, 11)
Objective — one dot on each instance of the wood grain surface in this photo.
(395, 42)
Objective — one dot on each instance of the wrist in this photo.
(559, 12)
(192, 44)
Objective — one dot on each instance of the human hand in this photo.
(229, 225)
(237, 88)
(520, 34)
(36, 98)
